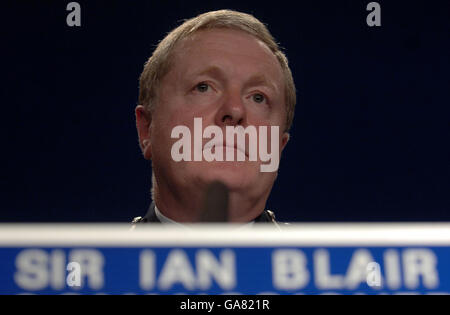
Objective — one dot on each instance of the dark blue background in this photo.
(370, 140)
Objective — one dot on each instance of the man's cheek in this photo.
(269, 148)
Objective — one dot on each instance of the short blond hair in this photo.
(159, 63)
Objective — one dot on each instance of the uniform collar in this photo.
(153, 217)
(163, 219)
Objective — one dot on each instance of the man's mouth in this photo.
(220, 145)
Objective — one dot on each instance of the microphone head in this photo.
(215, 205)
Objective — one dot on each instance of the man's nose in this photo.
(232, 111)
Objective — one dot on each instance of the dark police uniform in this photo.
(266, 217)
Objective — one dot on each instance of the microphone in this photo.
(215, 205)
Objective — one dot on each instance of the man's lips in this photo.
(219, 145)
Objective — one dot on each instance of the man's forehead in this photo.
(222, 38)
(214, 45)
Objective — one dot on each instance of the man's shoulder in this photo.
(149, 217)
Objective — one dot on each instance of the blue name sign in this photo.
(218, 259)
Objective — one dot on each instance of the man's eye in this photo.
(202, 87)
(258, 98)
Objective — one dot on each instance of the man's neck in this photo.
(241, 210)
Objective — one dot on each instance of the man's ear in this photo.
(143, 124)
(284, 140)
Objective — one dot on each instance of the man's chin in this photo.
(233, 174)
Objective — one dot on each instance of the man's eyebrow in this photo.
(212, 71)
(261, 79)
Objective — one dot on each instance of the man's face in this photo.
(227, 78)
